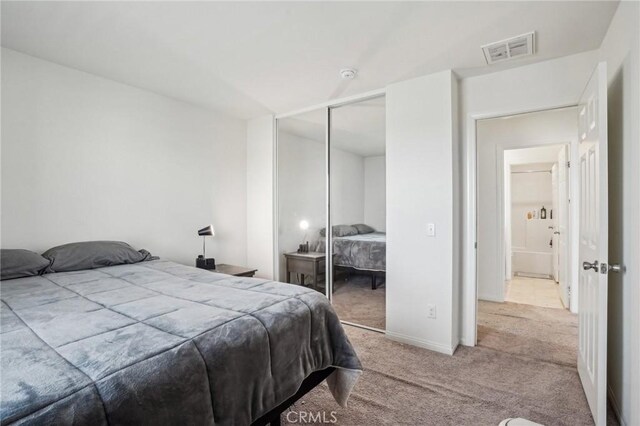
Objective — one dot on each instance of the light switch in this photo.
(431, 229)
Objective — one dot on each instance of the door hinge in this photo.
(475, 245)
(568, 164)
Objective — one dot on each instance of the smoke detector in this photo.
(514, 47)
(348, 73)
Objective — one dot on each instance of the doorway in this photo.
(525, 234)
(531, 142)
(536, 203)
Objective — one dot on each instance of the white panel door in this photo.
(592, 294)
(561, 215)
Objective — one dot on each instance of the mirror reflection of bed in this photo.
(359, 282)
(358, 206)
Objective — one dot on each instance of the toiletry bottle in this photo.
(543, 213)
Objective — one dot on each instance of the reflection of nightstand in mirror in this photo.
(238, 271)
(312, 263)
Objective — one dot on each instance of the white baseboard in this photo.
(615, 406)
(433, 346)
(466, 342)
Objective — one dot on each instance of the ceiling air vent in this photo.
(514, 47)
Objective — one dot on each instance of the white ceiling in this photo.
(250, 58)
(544, 156)
(358, 128)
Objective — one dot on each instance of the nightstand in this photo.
(312, 263)
(238, 271)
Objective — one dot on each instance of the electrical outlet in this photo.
(431, 229)
(431, 311)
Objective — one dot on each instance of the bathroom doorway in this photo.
(520, 160)
(536, 188)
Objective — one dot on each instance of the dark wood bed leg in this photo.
(373, 281)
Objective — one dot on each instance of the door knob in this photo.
(556, 233)
(615, 268)
(586, 266)
(605, 269)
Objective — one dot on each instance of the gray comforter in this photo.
(367, 252)
(162, 343)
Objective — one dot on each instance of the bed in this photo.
(157, 342)
(361, 252)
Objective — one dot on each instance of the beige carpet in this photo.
(524, 366)
(356, 302)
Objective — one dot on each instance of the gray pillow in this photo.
(93, 254)
(21, 263)
(340, 231)
(344, 231)
(363, 229)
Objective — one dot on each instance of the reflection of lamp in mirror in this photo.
(304, 247)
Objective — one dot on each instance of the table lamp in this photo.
(202, 261)
(304, 247)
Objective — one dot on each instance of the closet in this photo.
(331, 175)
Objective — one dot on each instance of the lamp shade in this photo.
(207, 230)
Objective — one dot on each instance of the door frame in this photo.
(470, 224)
(501, 171)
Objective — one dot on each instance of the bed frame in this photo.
(273, 417)
(374, 274)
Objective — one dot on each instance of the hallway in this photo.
(532, 332)
(533, 291)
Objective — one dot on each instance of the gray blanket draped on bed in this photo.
(162, 343)
(367, 252)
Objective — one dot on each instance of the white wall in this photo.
(620, 49)
(535, 87)
(302, 192)
(493, 137)
(260, 208)
(375, 192)
(420, 143)
(86, 158)
(347, 187)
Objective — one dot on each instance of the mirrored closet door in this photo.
(331, 175)
(302, 199)
(358, 211)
